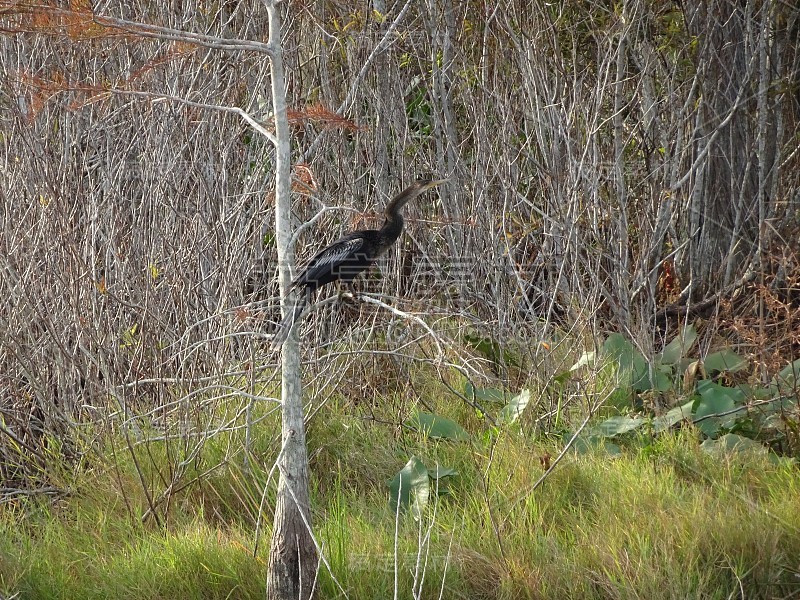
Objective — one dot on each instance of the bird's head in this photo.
(425, 183)
(420, 186)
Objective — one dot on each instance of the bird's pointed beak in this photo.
(436, 182)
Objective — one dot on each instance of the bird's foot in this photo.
(349, 297)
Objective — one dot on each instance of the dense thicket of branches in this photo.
(607, 159)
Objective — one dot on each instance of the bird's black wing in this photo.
(318, 271)
(324, 262)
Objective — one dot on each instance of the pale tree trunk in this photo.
(293, 555)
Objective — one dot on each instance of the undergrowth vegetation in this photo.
(640, 514)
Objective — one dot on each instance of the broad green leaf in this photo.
(679, 346)
(724, 360)
(491, 349)
(631, 365)
(788, 379)
(562, 377)
(673, 416)
(617, 348)
(778, 405)
(439, 472)
(436, 426)
(753, 392)
(410, 487)
(661, 378)
(484, 394)
(618, 425)
(709, 389)
(512, 411)
(632, 368)
(591, 443)
(730, 443)
(715, 399)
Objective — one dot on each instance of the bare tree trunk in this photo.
(293, 555)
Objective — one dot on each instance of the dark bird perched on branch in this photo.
(348, 256)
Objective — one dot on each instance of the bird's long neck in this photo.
(391, 230)
(393, 225)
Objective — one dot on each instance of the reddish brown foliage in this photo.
(765, 316)
(322, 117)
(78, 22)
(304, 181)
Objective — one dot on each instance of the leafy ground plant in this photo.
(705, 394)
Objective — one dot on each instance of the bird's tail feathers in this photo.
(291, 318)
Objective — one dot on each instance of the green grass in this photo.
(663, 520)
(87, 551)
